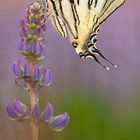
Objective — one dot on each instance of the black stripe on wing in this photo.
(58, 21)
(78, 2)
(96, 1)
(65, 18)
(60, 26)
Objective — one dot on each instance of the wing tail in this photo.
(92, 54)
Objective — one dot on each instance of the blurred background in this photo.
(103, 105)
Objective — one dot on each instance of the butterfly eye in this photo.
(75, 43)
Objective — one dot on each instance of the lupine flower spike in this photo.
(31, 76)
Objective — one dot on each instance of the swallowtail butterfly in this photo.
(80, 20)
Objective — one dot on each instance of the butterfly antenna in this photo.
(107, 68)
(97, 51)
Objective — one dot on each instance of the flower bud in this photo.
(22, 28)
(44, 27)
(18, 68)
(16, 110)
(27, 31)
(36, 73)
(19, 108)
(20, 46)
(46, 77)
(10, 111)
(22, 23)
(31, 46)
(27, 69)
(38, 48)
(35, 111)
(58, 123)
(48, 113)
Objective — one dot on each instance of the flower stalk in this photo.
(34, 130)
(32, 76)
(33, 99)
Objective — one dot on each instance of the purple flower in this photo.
(36, 32)
(48, 113)
(16, 110)
(27, 31)
(27, 69)
(46, 77)
(22, 45)
(38, 48)
(27, 18)
(22, 28)
(35, 111)
(31, 46)
(22, 23)
(32, 30)
(44, 27)
(32, 75)
(19, 107)
(36, 73)
(18, 68)
(11, 111)
(58, 123)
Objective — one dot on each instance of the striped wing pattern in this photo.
(80, 19)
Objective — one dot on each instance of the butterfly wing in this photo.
(59, 25)
(109, 7)
(55, 17)
(82, 20)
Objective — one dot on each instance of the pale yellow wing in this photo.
(53, 13)
(59, 25)
(109, 7)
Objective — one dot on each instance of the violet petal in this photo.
(35, 111)
(48, 113)
(20, 45)
(44, 27)
(10, 110)
(22, 23)
(22, 31)
(47, 77)
(19, 107)
(38, 48)
(25, 45)
(17, 68)
(27, 69)
(58, 123)
(31, 46)
(36, 73)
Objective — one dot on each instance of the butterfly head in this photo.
(75, 43)
(78, 45)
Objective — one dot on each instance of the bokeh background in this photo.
(103, 105)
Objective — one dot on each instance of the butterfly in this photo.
(80, 21)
